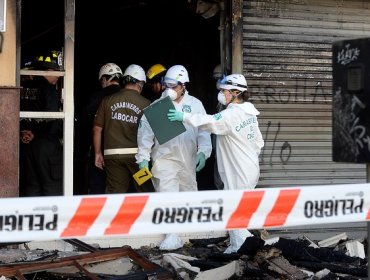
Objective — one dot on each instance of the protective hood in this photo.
(246, 107)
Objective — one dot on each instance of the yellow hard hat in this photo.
(155, 70)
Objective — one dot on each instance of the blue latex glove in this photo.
(174, 115)
(143, 164)
(200, 161)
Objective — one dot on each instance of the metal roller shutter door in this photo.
(287, 56)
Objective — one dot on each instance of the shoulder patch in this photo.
(186, 109)
(217, 116)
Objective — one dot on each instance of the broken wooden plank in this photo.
(220, 273)
(82, 246)
(333, 267)
(283, 267)
(334, 240)
(79, 261)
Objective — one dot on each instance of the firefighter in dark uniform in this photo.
(41, 168)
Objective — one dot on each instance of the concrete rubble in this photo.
(200, 259)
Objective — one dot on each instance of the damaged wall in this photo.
(9, 106)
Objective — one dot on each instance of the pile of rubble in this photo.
(200, 259)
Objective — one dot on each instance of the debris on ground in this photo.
(199, 259)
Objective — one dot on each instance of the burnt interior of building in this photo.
(142, 32)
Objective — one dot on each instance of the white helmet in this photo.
(110, 69)
(234, 81)
(176, 74)
(136, 72)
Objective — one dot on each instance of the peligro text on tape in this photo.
(46, 218)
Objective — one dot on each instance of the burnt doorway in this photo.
(147, 32)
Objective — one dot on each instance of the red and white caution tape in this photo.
(45, 218)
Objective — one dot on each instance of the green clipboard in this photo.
(156, 114)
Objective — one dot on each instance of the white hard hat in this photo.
(176, 74)
(135, 71)
(234, 81)
(110, 69)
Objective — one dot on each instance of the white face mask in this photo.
(171, 93)
(221, 98)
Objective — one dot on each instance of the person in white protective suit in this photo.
(175, 163)
(238, 144)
